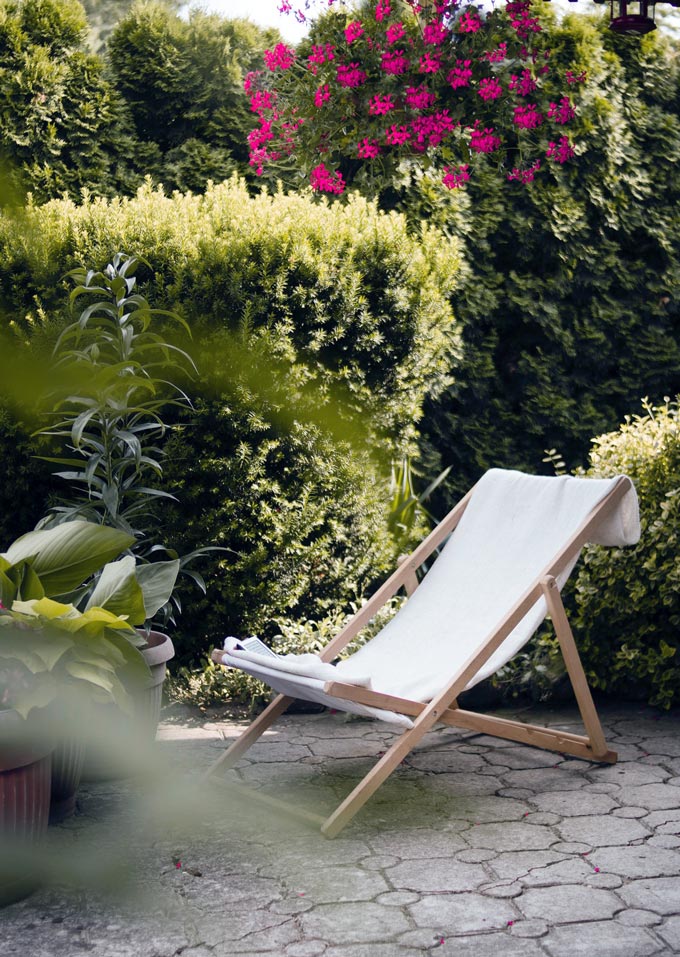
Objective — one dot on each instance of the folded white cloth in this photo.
(308, 665)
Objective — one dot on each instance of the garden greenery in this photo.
(318, 332)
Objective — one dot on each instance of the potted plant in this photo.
(55, 660)
(82, 647)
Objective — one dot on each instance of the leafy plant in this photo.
(122, 372)
(86, 642)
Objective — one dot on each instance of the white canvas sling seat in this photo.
(512, 527)
(508, 548)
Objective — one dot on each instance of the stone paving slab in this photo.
(474, 847)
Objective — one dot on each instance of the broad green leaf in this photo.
(41, 693)
(157, 581)
(119, 592)
(91, 674)
(66, 555)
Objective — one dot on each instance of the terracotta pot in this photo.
(107, 763)
(25, 771)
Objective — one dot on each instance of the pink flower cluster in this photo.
(523, 85)
(419, 98)
(489, 89)
(395, 32)
(497, 55)
(281, 57)
(483, 141)
(353, 31)
(395, 62)
(349, 74)
(461, 74)
(380, 66)
(525, 175)
(561, 152)
(368, 149)
(323, 181)
(321, 54)
(454, 179)
(434, 34)
(469, 23)
(322, 95)
(379, 105)
(431, 130)
(527, 117)
(562, 112)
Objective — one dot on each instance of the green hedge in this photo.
(561, 304)
(318, 332)
(627, 601)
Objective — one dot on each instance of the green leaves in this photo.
(63, 557)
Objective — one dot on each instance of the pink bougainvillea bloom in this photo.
(322, 95)
(461, 74)
(429, 64)
(489, 89)
(572, 77)
(323, 181)
(483, 141)
(454, 179)
(281, 57)
(469, 23)
(380, 105)
(382, 10)
(561, 112)
(368, 149)
(434, 34)
(527, 117)
(396, 135)
(395, 62)
(525, 176)
(561, 152)
(497, 55)
(522, 85)
(419, 98)
(353, 31)
(350, 75)
(395, 32)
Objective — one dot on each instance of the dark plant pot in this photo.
(108, 763)
(67, 769)
(25, 772)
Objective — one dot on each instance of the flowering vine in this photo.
(437, 81)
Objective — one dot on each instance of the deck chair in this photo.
(512, 543)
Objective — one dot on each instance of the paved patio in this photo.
(475, 847)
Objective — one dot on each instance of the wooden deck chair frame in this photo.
(443, 708)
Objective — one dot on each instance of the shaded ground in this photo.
(475, 847)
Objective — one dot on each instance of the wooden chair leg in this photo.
(379, 773)
(574, 667)
(250, 735)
